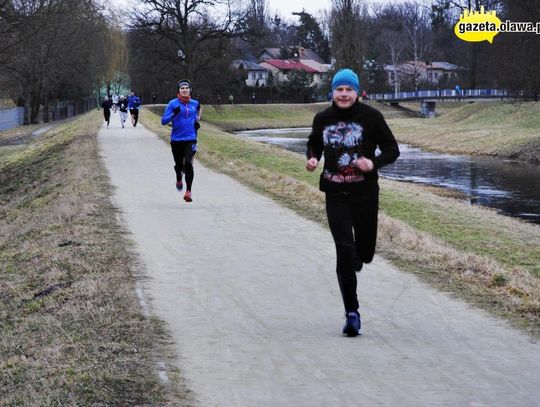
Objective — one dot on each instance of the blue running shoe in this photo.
(353, 324)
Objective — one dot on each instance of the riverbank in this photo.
(502, 129)
(72, 328)
(490, 260)
(249, 117)
(499, 129)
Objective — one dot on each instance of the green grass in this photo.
(247, 117)
(476, 230)
(262, 156)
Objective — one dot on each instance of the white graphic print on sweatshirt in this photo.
(342, 145)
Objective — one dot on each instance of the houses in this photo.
(269, 64)
(297, 52)
(281, 69)
(419, 71)
(255, 74)
(274, 66)
(435, 71)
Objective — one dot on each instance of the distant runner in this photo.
(133, 104)
(106, 105)
(115, 100)
(123, 107)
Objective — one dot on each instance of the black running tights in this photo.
(353, 223)
(183, 152)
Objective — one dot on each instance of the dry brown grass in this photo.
(481, 279)
(72, 331)
(6, 103)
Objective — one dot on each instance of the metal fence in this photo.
(11, 118)
(65, 110)
(59, 111)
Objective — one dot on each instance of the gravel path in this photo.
(248, 291)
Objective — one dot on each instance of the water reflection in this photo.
(511, 187)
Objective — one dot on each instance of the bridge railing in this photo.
(442, 93)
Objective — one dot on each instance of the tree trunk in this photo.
(26, 112)
(34, 105)
(46, 110)
(473, 50)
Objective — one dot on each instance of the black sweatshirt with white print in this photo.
(345, 135)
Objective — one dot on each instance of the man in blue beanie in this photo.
(348, 133)
(346, 77)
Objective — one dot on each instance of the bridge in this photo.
(429, 98)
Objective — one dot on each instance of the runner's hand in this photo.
(364, 164)
(312, 164)
(176, 110)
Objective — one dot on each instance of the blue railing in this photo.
(444, 93)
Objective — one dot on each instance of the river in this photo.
(511, 187)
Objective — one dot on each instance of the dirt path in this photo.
(249, 292)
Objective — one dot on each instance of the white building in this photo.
(256, 75)
(419, 71)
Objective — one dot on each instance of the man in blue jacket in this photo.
(185, 114)
(133, 104)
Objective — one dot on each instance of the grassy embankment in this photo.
(6, 104)
(491, 260)
(247, 117)
(72, 331)
(502, 129)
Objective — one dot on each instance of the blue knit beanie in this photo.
(346, 77)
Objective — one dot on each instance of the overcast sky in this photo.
(286, 7)
(282, 7)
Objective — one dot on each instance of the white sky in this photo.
(284, 8)
(313, 7)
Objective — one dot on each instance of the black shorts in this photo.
(183, 151)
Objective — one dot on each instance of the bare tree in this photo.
(257, 32)
(48, 61)
(471, 50)
(416, 24)
(189, 27)
(116, 64)
(281, 33)
(308, 34)
(513, 60)
(391, 38)
(257, 18)
(349, 25)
